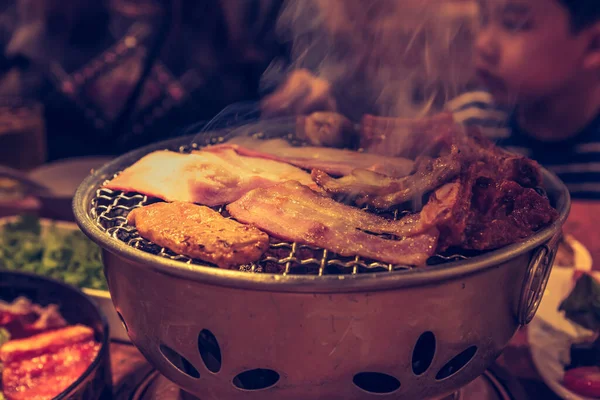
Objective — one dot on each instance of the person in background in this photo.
(117, 74)
(387, 57)
(539, 61)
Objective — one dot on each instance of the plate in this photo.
(550, 334)
(100, 297)
(62, 179)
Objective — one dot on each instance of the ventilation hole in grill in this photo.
(179, 361)
(376, 382)
(423, 353)
(209, 350)
(457, 363)
(256, 379)
(123, 322)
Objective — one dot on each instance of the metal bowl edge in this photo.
(297, 283)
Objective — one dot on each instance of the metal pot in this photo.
(412, 334)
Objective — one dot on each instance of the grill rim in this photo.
(82, 206)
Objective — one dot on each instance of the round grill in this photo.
(222, 334)
(110, 209)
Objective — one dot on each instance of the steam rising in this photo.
(401, 58)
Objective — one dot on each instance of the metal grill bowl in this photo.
(401, 334)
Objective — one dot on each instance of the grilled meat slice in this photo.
(208, 178)
(336, 162)
(451, 151)
(325, 128)
(382, 192)
(401, 137)
(42, 366)
(291, 211)
(503, 212)
(199, 232)
(431, 136)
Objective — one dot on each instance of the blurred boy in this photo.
(540, 62)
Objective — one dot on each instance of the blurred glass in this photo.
(22, 134)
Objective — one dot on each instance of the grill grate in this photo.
(110, 209)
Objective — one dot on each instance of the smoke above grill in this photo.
(401, 58)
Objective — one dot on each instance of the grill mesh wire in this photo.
(110, 209)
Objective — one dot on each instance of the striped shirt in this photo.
(576, 160)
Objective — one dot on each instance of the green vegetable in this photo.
(62, 254)
(583, 304)
(4, 336)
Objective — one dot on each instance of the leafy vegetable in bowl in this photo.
(582, 306)
(49, 250)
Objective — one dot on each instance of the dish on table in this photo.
(551, 334)
(55, 341)
(58, 250)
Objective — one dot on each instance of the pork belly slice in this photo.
(337, 162)
(383, 192)
(404, 137)
(291, 211)
(42, 366)
(199, 232)
(45, 376)
(208, 178)
(42, 343)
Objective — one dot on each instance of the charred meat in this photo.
(199, 232)
(383, 192)
(480, 211)
(451, 153)
(291, 211)
(326, 128)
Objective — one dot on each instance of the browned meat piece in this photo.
(22, 318)
(437, 135)
(475, 147)
(452, 149)
(445, 210)
(480, 212)
(382, 192)
(199, 232)
(503, 213)
(401, 137)
(325, 128)
(291, 211)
